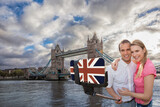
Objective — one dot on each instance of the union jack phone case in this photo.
(89, 72)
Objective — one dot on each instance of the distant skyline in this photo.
(30, 28)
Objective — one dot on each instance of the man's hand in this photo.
(114, 95)
(120, 100)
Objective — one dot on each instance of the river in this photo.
(40, 93)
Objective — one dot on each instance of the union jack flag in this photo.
(90, 70)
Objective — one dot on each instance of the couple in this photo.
(131, 78)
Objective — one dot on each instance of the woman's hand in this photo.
(124, 92)
(114, 64)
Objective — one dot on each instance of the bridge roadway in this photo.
(75, 52)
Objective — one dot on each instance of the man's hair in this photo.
(124, 41)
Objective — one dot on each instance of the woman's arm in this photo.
(148, 89)
(114, 64)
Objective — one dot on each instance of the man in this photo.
(122, 77)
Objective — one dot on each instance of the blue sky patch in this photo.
(148, 11)
(31, 47)
(29, 34)
(47, 41)
(55, 17)
(17, 8)
(39, 1)
(87, 2)
(78, 18)
(152, 23)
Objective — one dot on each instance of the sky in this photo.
(29, 29)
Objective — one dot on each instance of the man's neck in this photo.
(127, 62)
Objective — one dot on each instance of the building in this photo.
(157, 68)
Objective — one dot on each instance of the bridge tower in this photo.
(57, 63)
(92, 45)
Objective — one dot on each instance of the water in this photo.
(55, 94)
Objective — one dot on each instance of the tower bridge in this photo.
(57, 71)
(58, 55)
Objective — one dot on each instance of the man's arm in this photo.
(109, 87)
(114, 95)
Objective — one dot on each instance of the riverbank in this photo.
(23, 78)
(13, 78)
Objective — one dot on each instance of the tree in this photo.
(3, 74)
(19, 72)
(13, 73)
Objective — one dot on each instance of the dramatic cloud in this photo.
(30, 28)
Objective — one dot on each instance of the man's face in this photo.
(125, 51)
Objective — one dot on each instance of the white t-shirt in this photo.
(123, 77)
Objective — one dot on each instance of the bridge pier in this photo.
(52, 77)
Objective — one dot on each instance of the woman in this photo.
(143, 77)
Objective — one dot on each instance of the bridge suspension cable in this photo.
(33, 74)
(45, 67)
(105, 56)
(41, 72)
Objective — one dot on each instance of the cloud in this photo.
(12, 40)
(34, 23)
(15, 1)
(152, 30)
(114, 10)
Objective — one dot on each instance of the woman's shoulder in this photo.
(149, 68)
(149, 63)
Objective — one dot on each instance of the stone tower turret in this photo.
(92, 45)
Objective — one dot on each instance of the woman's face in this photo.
(137, 53)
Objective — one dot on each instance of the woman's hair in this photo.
(143, 61)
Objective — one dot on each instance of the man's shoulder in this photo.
(133, 64)
(109, 68)
(121, 64)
